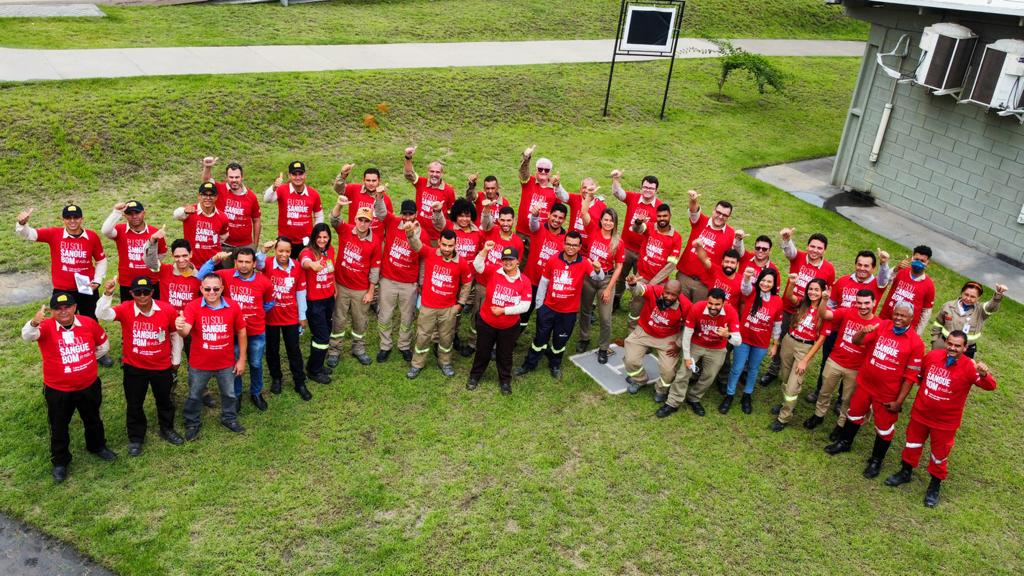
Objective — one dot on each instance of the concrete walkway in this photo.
(26, 552)
(809, 181)
(18, 64)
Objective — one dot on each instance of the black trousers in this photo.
(552, 326)
(291, 348)
(487, 337)
(524, 319)
(85, 303)
(137, 382)
(126, 293)
(318, 315)
(60, 407)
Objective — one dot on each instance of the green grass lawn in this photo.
(387, 21)
(386, 476)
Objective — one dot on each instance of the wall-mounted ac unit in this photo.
(946, 49)
(999, 82)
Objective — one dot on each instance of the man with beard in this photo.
(205, 227)
(399, 277)
(430, 190)
(468, 239)
(239, 204)
(661, 320)
(356, 272)
(659, 253)
(131, 240)
(490, 198)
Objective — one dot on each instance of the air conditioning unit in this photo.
(999, 82)
(946, 49)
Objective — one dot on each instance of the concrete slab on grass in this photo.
(612, 376)
(50, 11)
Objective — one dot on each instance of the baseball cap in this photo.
(297, 168)
(207, 188)
(510, 253)
(408, 207)
(61, 298)
(364, 212)
(141, 283)
(72, 211)
(133, 206)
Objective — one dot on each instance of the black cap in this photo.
(408, 207)
(133, 206)
(61, 298)
(510, 253)
(72, 211)
(141, 283)
(207, 188)
(296, 168)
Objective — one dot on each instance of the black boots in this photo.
(845, 441)
(931, 496)
(813, 422)
(901, 477)
(746, 403)
(877, 455)
(725, 405)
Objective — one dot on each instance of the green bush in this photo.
(758, 67)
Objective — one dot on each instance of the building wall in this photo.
(958, 168)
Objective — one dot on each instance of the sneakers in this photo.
(191, 433)
(556, 372)
(471, 384)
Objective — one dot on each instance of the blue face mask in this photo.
(898, 331)
(917, 266)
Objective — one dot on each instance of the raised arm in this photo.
(617, 189)
(524, 164)
(22, 228)
(408, 171)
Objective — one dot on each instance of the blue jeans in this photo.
(254, 356)
(749, 358)
(197, 381)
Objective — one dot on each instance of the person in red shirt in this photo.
(220, 331)
(892, 358)
(546, 240)
(298, 206)
(490, 198)
(804, 338)
(497, 326)
(203, 225)
(287, 318)
(468, 239)
(399, 276)
(588, 188)
(254, 295)
(446, 279)
(760, 329)
(503, 236)
(760, 258)
(708, 327)
(77, 260)
(661, 321)
(538, 194)
(716, 237)
(363, 196)
(726, 276)
(151, 347)
(607, 247)
(947, 377)
(659, 254)
(912, 284)
(807, 265)
(317, 260)
(69, 345)
(643, 204)
(179, 280)
(131, 240)
(239, 204)
(557, 302)
(430, 190)
(356, 271)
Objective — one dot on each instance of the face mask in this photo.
(663, 304)
(917, 266)
(899, 331)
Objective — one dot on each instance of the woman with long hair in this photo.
(804, 339)
(760, 328)
(604, 245)
(317, 260)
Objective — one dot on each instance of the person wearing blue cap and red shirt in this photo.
(298, 206)
(132, 238)
(69, 344)
(497, 326)
(151, 347)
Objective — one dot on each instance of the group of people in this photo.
(465, 274)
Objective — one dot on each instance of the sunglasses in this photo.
(142, 292)
(211, 289)
(544, 170)
(760, 248)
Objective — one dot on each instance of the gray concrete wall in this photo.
(957, 167)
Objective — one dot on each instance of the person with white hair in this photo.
(538, 191)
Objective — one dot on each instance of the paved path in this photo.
(49, 10)
(26, 552)
(809, 180)
(18, 64)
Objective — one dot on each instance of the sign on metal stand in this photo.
(647, 28)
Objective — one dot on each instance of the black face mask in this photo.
(663, 304)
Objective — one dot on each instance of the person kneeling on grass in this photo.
(658, 327)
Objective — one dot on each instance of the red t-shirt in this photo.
(69, 356)
(240, 210)
(844, 291)
(634, 208)
(363, 199)
(533, 194)
(286, 285)
(356, 257)
(319, 285)
(399, 262)
(564, 283)
(249, 296)
(146, 340)
(808, 327)
(213, 334)
(890, 359)
(940, 401)
(756, 330)
(425, 198)
(295, 212)
(716, 278)
(504, 293)
(847, 322)
(131, 253)
(178, 290)
(544, 245)
(920, 293)
(204, 232)
(467, 244)
(600, 247)
(493, 259)
(705, 326)
(660, 323)
(808, 272)
(494, 208)
(747, 261)
(442, 279)
(576, 218)
(716, 244)
(656, 252)
(70, 255)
